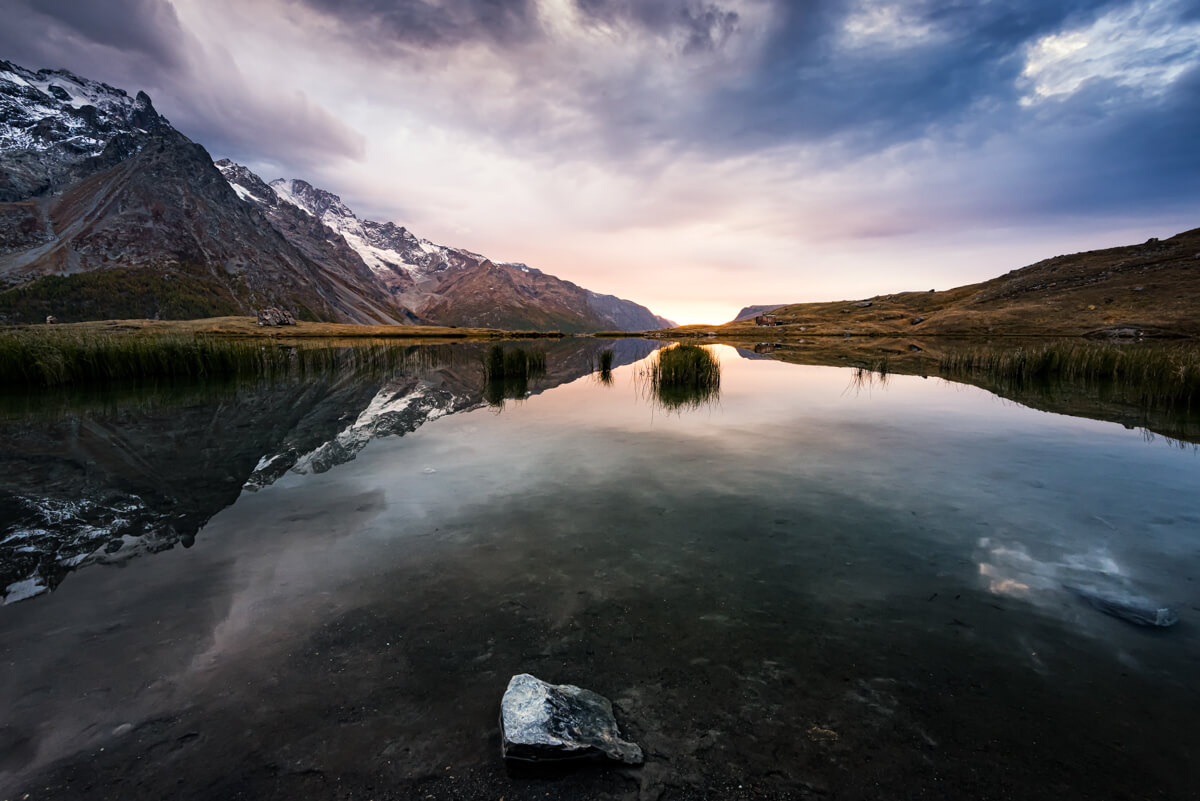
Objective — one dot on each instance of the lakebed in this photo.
(823, 583)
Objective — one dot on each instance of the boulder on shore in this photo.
(272, 316)
(547, 722)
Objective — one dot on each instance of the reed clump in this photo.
(603, 367)
(685, 376)
(502, 363)
(1150, 375)
(868, 374)
(507, 372)
(41, 358)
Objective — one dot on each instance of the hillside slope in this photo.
(1146, 290)
(108, 211)
(441, 284)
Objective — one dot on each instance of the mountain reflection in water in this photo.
(104, 480)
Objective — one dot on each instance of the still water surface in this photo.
(814, 588)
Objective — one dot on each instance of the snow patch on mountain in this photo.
(383, 246)
(53, 109)
(455, 286)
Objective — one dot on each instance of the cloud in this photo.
(430, 23)
(144, 45)
(1146, 46)
(145, 27)
(811, 148)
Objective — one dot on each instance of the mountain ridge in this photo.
(448, 285)
(107, 211)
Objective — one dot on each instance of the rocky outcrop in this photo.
(271, 317)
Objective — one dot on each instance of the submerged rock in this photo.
(1138, 611)
(543, 722)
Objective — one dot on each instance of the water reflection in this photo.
(1152, 387)
(769, 591)
(100, 477)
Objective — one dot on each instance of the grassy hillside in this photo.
(118, 293)
(1152, 288)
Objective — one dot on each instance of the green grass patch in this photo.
(119, 294)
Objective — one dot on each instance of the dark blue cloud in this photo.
(429, 24)
(806, 87)
(1141, 156)
(145, 27)
(704, 26)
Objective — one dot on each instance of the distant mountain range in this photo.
(750, 312)
(107, 211)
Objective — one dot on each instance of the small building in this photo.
(766, 319)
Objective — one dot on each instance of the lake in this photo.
(825, 583)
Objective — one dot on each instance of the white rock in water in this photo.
(540, 721)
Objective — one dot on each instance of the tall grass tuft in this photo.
(507, 372)
(605, 359)
(508, 363)
(604, 364)
(685, 376)
(867, 375)
(1149, 375)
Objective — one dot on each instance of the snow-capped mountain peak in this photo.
(246, 184)
(438, 283)
(385, 247)
(57, 110)
(325, 206)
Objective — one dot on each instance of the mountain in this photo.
(107, 211)
(750, 312)
(445, 285)
(1146, 290)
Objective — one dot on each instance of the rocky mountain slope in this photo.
(445, 285)
(107, 211)
(1146, 290)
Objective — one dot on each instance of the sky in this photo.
(696, 156)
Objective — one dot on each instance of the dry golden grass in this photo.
(247, 327)
(1153, 287)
